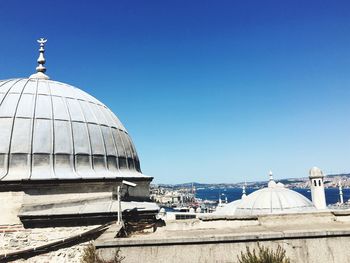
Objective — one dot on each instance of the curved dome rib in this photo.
(51, 130)
(10, 122)
(15, 136)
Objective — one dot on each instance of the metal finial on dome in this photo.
(41, 69)
(41, 58)
(271, 182)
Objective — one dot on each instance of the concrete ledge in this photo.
(321, 237)
(229, 238)
(341, 212)
(227, 218)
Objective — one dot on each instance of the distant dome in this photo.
(51, 130)
(227, 209)
(271, 200)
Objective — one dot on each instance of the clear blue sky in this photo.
(210, 91)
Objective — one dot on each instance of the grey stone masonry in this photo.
(14, 238)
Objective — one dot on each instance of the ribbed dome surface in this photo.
(273, 200)
(227, 209)
(51, 130)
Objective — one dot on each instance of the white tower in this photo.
(270, 176)
(244, 195)
(341, 193)
(317, 188)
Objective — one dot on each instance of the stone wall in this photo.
(322, 237)
(10, 205)
(302, 250)
(15, 238)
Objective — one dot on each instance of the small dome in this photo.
(271, 200)
(228, 209)
(51, 130)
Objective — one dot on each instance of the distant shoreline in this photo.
(331, 181)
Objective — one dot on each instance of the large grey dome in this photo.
(51, 130)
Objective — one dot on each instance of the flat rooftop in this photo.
(214, 229)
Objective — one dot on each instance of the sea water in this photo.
(332, 194)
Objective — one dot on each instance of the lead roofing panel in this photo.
(5, 86)
(5, 134)
(43, 88)
(18, 86)
(9, 105)
(21, 136)
(30, 87)
(109, 141)
(96, 140)
(63, 137)
(75, 110)
(26, 106)
(42, 136)
(43, 107)
(81, 138)
(59, 109)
